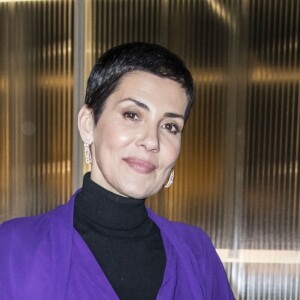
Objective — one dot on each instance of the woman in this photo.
(104, 243)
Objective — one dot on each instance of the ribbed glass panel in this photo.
(36, 105)
(237, 176)
(272, 182)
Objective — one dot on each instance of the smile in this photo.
(139, 165)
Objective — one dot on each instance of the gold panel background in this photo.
(237, 176)
(36, 90)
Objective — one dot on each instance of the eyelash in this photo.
(173, 126)
(133, 116)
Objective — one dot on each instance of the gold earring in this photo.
(171, 179)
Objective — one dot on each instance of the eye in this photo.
(131, 115)
(171, 127)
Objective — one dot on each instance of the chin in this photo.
(137, 195)
(134, 192)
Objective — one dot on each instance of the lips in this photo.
(140, 165)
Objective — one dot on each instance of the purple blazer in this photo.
(43, 257)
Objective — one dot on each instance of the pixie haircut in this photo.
(126, 58)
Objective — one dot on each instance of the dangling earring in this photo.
(171, 179)
(87, 152)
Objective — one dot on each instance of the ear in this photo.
(86, 124)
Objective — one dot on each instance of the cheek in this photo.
(171, 152)
(115, 137)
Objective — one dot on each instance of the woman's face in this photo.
(138, 136)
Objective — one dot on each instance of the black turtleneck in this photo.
(125, 242)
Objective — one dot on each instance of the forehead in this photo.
(149, 87)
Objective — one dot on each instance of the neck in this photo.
(108, 209)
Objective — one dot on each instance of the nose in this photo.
(149, 139)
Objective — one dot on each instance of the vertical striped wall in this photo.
(36, 90)
(237, 176)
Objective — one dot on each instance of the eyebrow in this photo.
(144, 106)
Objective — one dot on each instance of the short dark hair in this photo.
(120, 60)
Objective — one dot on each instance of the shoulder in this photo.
(184, 233)
(36, 225)
(23, 234)
(190, 241)
(27, 233)
(21, 226)
(198, 254)
(31, 245)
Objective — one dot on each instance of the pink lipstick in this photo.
(139, 165)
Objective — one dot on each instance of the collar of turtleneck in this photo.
(110, 210)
